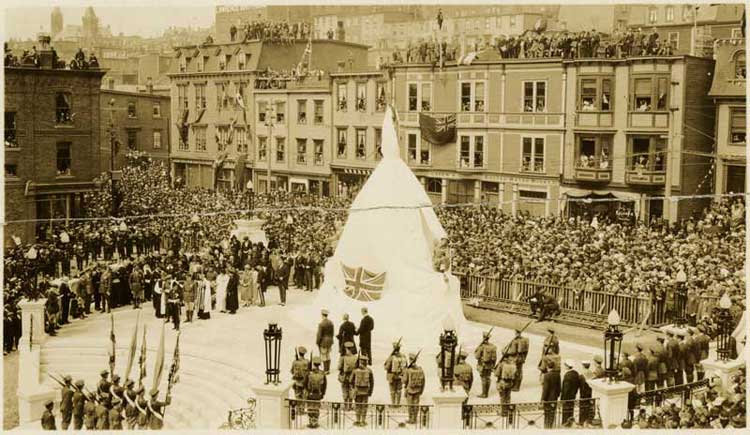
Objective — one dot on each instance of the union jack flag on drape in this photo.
(363, 285)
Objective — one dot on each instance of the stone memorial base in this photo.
(250, 228)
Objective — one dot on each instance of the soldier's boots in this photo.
(485, 388)
(327, 366)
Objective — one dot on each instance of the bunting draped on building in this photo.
(438, 131)
(363, 285)
(183, 127)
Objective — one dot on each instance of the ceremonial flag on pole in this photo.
(159, 365)
(112, 347)
(173, 378)
(142, 359)
(132, 349)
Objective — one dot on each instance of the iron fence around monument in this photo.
(242, 418)
(677, 395)
(533, 415)
(343, 416)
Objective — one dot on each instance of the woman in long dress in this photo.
(222, 281)
(254, 290)
(245, 294)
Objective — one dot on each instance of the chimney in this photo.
(149, 85)
(44, 51)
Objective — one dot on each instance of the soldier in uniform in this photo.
(115, 390)
(89, 413)
(156, 410)
(505, 375)
(551, 342)
(626, 362)
(142, 405)
(363, 383)
(394, 367)
(48, 418)
(520, 347)
(102, 412)
(324, 340)
(115, 414)
(486, 355)
(347, 364)
(413, 386)
(300, 369)
(673, 355)
(661, 354)
(79, 400)
(66, 402)
(652, 374)
(131, 411)
(686, 359)
(463, 373)
(104, 384)
(702, 342)
(640, 362)
(316, 390)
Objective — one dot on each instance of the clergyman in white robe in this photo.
(222, 281)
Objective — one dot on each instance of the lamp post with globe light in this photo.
(612, 346)
(195, 226)
(448, 342)
(724, 349)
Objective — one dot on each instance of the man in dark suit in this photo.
(585, 413)
(366, 325)
(346, 333)
(570, 384)
(550, 367)
(233, 301)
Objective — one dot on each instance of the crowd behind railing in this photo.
(278, 32)
(30, 58)
(297, 74)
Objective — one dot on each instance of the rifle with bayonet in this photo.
(507, 347)
(411, 364)
(397, 346)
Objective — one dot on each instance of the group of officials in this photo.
(112, 407)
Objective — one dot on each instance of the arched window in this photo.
(740, 65)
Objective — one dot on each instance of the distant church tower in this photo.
(56, 22)
(90, 24)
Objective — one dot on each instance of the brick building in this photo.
(141, 121)
(729, 91)
(52, 138)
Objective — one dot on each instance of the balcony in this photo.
(659, 120)
(645, 177)
(540, 120)
(289, 83)
(591, 119)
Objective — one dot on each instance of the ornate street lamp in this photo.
(289, 224)
(123, 227)
(195, 225)
(272, 338)
(680, 295)
(31, 255)
(612, 346)
(723, 340)
(448, 343)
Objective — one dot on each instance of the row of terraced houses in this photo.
(530, 133)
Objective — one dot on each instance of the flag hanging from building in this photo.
(363, 285)
(142, 359)
(159, 364)
(112, 344)
(438, 131)
(173, 378)
(133, 348)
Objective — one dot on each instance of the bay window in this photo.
(647, 153)
(737, 135)
(595, 94)
(593, 151)
(650, 94)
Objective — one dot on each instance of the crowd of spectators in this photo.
(272, 79)
(277, 32)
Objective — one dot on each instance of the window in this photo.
(513, 21)
(418, 150)
(131, 110)
(687, 12)
(318, 112)
(740, 65)
(301, 111)
(132, 139)
(533, 154)
(302, 151)
(200, 138)
(341, 143)
(593, 152)
(595, 94)
(737, 33)
(361, 151)
(63, 103)
(262, 148)
(738, 127)
(318, 150)
(669, 14)
(63, 159)
(413, 97)
(673, 39)
(280, 112)
(227, 59)
(472, 97)
(531, 194)
(434, 185)
(280, 149)
(341, 96)
(241, 60)
(182, 101)
(425, 97)
(380, 97)
(361, 97)
(156, 110)
(471, 151)
(222, 137)
(221, 96)
(11, 171)
(378, 143)
(11, 141)
(240, 136)
(647, 153)
(202, 62)
(183, 64)
(652, 15)
(200, 97)
(262, 108)
(157, 140)
(535, 96)
(650, 90)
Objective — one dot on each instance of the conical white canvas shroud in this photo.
(392, 228)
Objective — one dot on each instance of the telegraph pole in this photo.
(112, 151)
(270, 113)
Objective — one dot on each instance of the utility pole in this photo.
(270, 113)
(112, 151)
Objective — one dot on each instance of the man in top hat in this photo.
(520, 348)
(505, 375)
(363, 383)
(463, 374)
(571, 383)
(585, 413)
(347, 364)
(486, 355)
(115, 414)
(156, 410)
(413, 386)
(79, 401)
(102, 412)
(48, 418)
(324, 340)
(316, 390)
(394, 366)
(300, 369)
(366, 325)
(66, 402)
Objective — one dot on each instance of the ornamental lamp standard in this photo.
(272, 338)
(448, 343)
(612, 346)
(195, 226)
(289, 230)
(723, 340)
